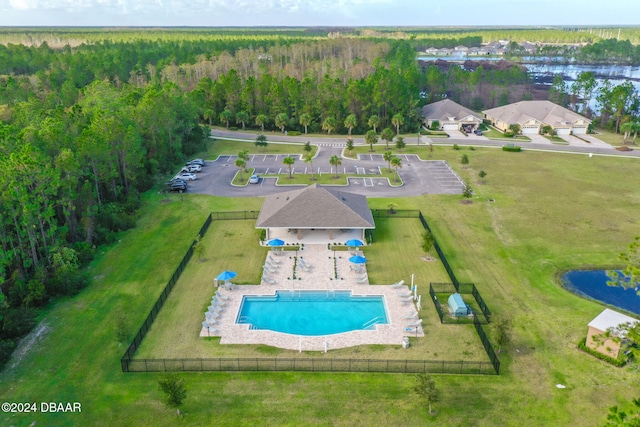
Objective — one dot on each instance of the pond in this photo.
(592, 284)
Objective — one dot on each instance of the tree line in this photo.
(71, 179)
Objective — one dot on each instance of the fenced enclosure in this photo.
(310, 364)
(469, 291)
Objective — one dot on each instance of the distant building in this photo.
(450, 115)
(532, 116)
(608, 320)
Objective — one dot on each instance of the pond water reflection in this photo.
(593, 284)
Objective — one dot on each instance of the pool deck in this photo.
(321, 276)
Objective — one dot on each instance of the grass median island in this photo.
(550, 212)
(330, 178)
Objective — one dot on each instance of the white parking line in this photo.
(253, 157)
(279, 170)
(266, 172)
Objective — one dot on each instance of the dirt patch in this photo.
(428, 258)
(29, 342)
(165, 201)
(465, 202)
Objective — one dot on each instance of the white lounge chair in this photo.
(273, 260)
(268, 264)
(221, 296)
(230, 286)
(216, 301)
(269, 280)
(214, 308)
(398, 284)
(269, 269)
(411, 315)
(403, 293)
(414, 324)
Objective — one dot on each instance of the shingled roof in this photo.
(315, 207)
(446, 110)
(545, 112)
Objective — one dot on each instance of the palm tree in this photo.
(244, 156)
(226, 116)
(400, 143)
(388, 156)
(309, 159)
(261, 119)
(371, 139)
(373, 122)
(335, 161)
(396, 162)
(305, 120)
(241, 164)
(627, 128)
(208, 114)
(350, 122)
(388, 136)
(281, 121)
(242, 117)
(289, 161)
(397, 121)
(307, 147)
(329, 124)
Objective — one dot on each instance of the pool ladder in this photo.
(372, 322)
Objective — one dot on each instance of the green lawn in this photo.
(233, 245)
(551, 212)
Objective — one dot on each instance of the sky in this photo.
(212, 13)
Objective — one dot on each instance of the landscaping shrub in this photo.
(233, 128)
(294, 133)
(456, 147)
(619, 362)
(512, 148)
(509, 133)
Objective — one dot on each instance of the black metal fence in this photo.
(129, 364)
(463, 289)
(314, 364)
(146, 325)
(234, 215)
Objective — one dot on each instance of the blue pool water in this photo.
(312, 313)
(593, 284)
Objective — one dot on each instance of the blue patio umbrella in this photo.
(275, 242)
(226, 275)
(353, 242)
(357, 259)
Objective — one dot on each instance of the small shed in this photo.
(612, 322)
(457, 305)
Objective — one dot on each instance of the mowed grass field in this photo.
(551, 212)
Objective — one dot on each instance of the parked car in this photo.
(179, 180)
(194, 168)
(478, 132)
(187, 176)
(196, 162)
(176, 185)
(254, 179)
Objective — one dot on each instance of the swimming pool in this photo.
(593, 284)
(312, 313)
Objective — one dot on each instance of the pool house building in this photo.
(315, 215)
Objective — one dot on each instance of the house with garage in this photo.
(532, 116)
(607, 332)
(315, 215)
(450, 115)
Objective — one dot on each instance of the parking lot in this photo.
(419, 176)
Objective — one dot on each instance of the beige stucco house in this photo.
(451, 115)
(608, 320)
(532, 116)
(315, 215)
